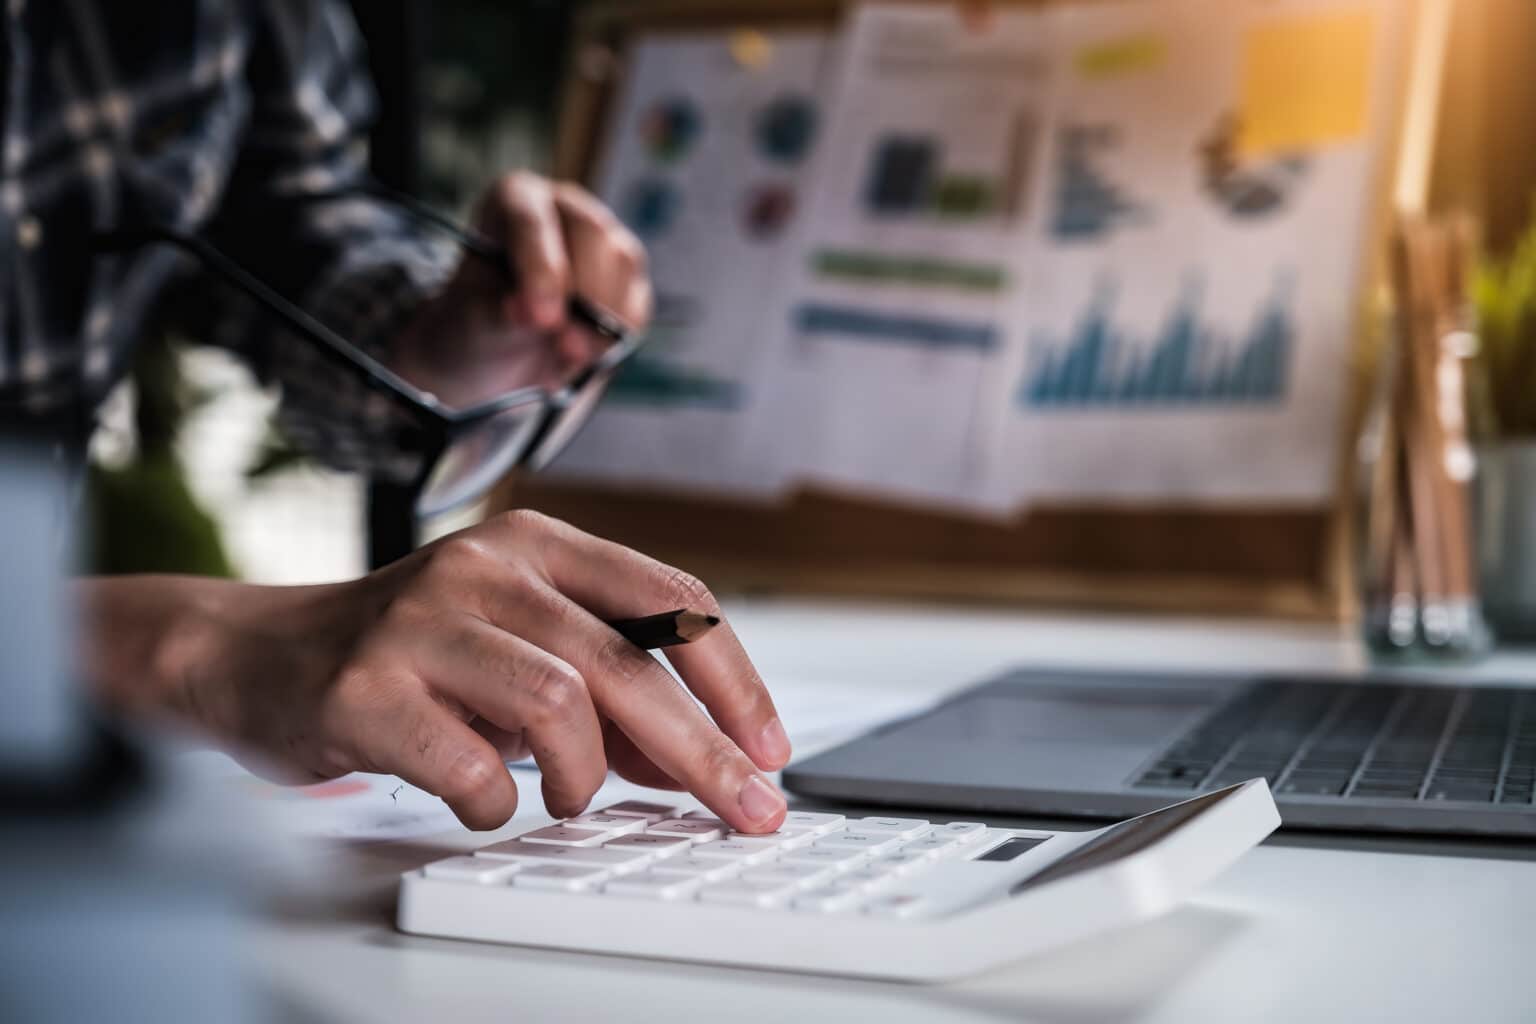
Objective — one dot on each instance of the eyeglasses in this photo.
(466, 451)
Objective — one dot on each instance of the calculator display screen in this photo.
(1124, 839)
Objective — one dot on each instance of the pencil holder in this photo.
(1420, 579)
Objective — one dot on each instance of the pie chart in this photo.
(670, 129)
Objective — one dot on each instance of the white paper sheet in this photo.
(1188, 317)
(890, 325)
(706, 162)
(1090, 252)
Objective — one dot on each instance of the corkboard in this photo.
(1282, 561)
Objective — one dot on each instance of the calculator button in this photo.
(802, 875)
(563, 835)
(932, 846)
(561, 877)
(821, 824)
(962, 830)
(660, 846)
(614, 860)
(613, 824)
(898, 863)
(471, 869)
(838, 859)
(641, 809)
(784, 838)
(829, 899)
(700, 830)
(696, 867)
(738, 850)
(744, 893)
(866, 842)
(903, 828)
(653, 885)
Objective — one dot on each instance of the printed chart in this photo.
(1086, 253)
(1187, 363)
(709, 144)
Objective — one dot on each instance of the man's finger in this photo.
(517, 686)
(608, 263)
(522, 213)
(613, 581)
(629, 687)
(631, 764)
(422, 742)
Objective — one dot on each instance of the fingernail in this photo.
(759, 801)
(774, 744)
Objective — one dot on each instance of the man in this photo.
(227, 118)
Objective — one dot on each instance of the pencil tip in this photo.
(713, 620)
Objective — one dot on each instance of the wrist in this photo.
(145, 640)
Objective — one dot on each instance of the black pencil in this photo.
(667, 629)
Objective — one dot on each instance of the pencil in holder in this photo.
(1420, 579)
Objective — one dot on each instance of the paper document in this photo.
(706, 164)
(1070, 253)
(1189, 310)
(891, 324)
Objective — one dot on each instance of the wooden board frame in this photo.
(1289, 561)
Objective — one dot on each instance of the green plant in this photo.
(143, 517)
(1505, 293)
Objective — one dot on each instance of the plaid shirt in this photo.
(207, 115)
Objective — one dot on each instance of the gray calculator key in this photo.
(476, 870)
(866, 842)
(560, 877)
(660, 846)
(564, 835)
(903, 828)
(839, 858)
(653, 885)
(604, 857)
(697, 829)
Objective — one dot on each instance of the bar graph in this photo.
(1187, 362)
(1089, 205)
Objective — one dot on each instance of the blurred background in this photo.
(470, 88)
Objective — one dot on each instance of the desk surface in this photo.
(1315, 931)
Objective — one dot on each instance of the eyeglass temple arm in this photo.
(580, 309)
(333, 345)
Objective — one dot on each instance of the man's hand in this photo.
(491, 331)
(489, 643)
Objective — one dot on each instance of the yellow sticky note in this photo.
(1306, 82)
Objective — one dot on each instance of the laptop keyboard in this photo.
(1393, 742)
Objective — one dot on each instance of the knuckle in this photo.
(555, 691)
(518, 190)
(457, 557)
(681, 589)
(629, 253)
(468, 774)
(622, 660)
(721, 759)
(524, 521)
(358, 687)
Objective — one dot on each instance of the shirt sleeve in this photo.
(357, 265)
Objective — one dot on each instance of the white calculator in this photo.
(897, 898)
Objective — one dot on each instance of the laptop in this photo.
(1362, 753)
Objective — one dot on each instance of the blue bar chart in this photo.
(1089, 205)
(1187, 363)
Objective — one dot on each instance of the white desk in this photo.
(1293, 933)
